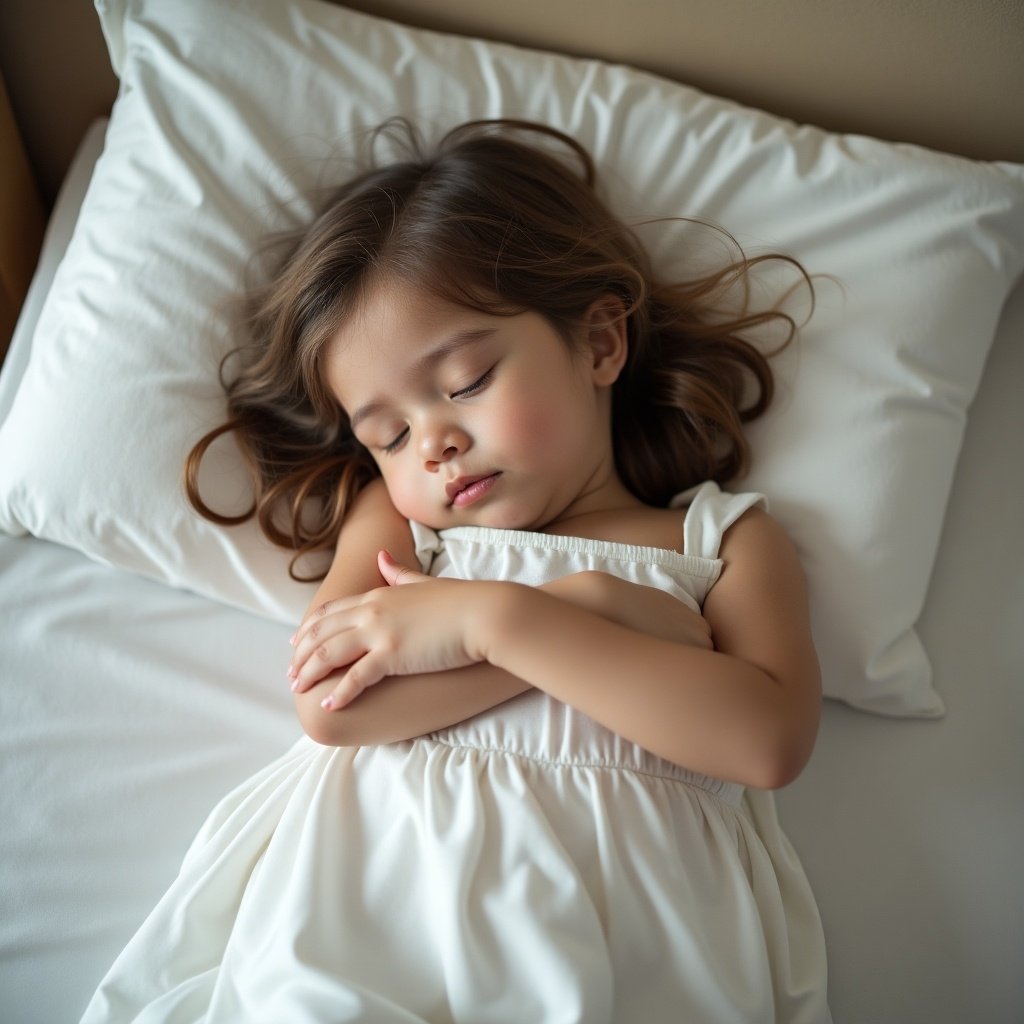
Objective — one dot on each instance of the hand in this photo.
(635, 606)
(416, 624)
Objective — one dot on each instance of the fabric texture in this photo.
(526, 864)
(205, 155)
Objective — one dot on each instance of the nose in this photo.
(441, 443)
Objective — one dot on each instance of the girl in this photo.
(549, 654)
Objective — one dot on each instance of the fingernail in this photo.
(291, 639)
(291, 672)
(295, 685)
(327, 703)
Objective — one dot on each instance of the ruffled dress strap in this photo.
(710, 511)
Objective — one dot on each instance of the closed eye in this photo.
(396, 444)
(477, 385)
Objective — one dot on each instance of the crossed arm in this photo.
(746, 710)
(408, 705)
(413, 704)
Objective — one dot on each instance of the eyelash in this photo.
(477, 385)
(388, 449)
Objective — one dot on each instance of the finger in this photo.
(364, 673)
(310, 635)
(333, 653)
(317, 615)
(395, 574)
(325, 621)
(343, 694)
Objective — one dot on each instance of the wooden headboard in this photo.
(946, 74)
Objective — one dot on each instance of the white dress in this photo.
(527, 865)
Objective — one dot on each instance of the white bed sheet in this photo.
(912, 833)
(127, 708)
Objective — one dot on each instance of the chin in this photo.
(485, 518)
(509, 520)
(495, 521)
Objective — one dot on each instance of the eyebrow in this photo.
(447, 348)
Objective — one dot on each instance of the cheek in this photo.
(551, 422)
(536, 421)
(405, 496)
(530, 428)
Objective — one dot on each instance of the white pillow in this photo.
(228, 112)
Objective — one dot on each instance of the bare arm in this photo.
(407, 705)
(404, 706)
(411, 705)
(746, 711)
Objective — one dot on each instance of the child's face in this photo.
(474, 419)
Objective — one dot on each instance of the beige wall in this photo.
(944, 73)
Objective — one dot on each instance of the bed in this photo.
(142, 654)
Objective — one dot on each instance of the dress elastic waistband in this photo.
(645, 765)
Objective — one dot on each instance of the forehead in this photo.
(392, 328)
(391, 308)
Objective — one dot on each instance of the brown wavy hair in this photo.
(490, 221)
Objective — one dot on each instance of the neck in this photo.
(603, 497)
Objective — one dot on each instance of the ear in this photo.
(606, 336)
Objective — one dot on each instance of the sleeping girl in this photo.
(552, 666)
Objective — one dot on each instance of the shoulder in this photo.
(759, 609)
(760, 557)
(755, 532)
(374, 503)
(370, 525)
(374, 522)
(373, 496)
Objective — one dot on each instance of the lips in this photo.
(465, 490)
